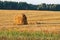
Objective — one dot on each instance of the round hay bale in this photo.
(20, 19)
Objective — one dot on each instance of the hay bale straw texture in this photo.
(20, 19)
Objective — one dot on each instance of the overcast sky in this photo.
(37, 1)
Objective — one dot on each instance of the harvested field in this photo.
(38, 21)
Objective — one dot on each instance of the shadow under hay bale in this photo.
(21, 19)
(25, 19)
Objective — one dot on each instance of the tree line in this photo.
(9, 5)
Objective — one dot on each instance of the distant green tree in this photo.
(42, 6)
(25, 6)
(52, 6)
(1, 5)
(10, 5)
(22, 5)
